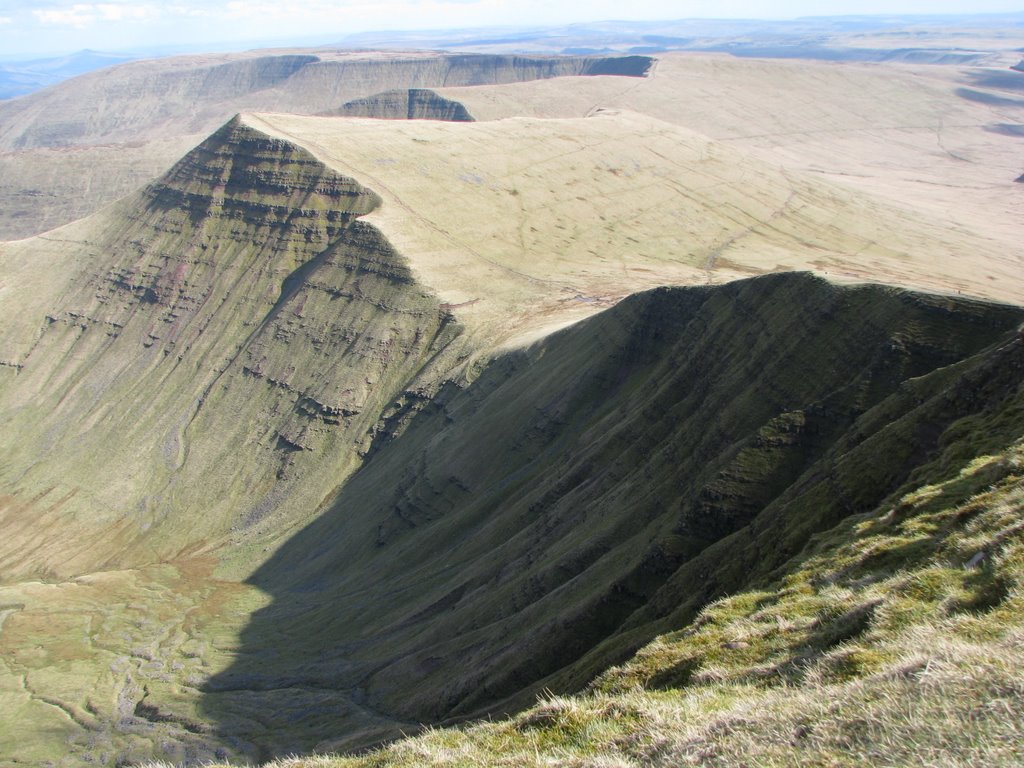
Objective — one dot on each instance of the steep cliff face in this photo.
(532, 528)
(230, 332)
(411, 104)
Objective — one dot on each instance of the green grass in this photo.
(888, 641)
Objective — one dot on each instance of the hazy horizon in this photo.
(31, 28)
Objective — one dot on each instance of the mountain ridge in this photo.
(72, 148)
(242, 215)
(239, 392)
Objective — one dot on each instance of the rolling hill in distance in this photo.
(347, 393)
(23, 77)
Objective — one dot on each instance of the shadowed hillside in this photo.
(412, 104)
(893, 638)
(533, 528)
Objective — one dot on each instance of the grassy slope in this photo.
(586, 494)
(140, 335)
(237, 285)
(559, 217)
(934, 138)
(894, 638)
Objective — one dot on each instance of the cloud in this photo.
(78, 16)
(178, 9)
(6, 20)
(111, 12)
(82, 15)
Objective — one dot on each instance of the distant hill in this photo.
(23, 77)
(69, 149)
(833, 38)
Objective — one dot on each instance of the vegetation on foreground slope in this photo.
(895, 638)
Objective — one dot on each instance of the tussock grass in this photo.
(894, 639)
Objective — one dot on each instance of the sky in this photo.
(44, 27)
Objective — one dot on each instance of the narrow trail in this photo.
(711, 261)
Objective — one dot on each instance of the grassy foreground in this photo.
(894, 639)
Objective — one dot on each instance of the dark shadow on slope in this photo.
(406, 104)
(1006, 129)
(621, 66)
(999, 79)
(991, 99)
(537, 525)
(999, 88)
